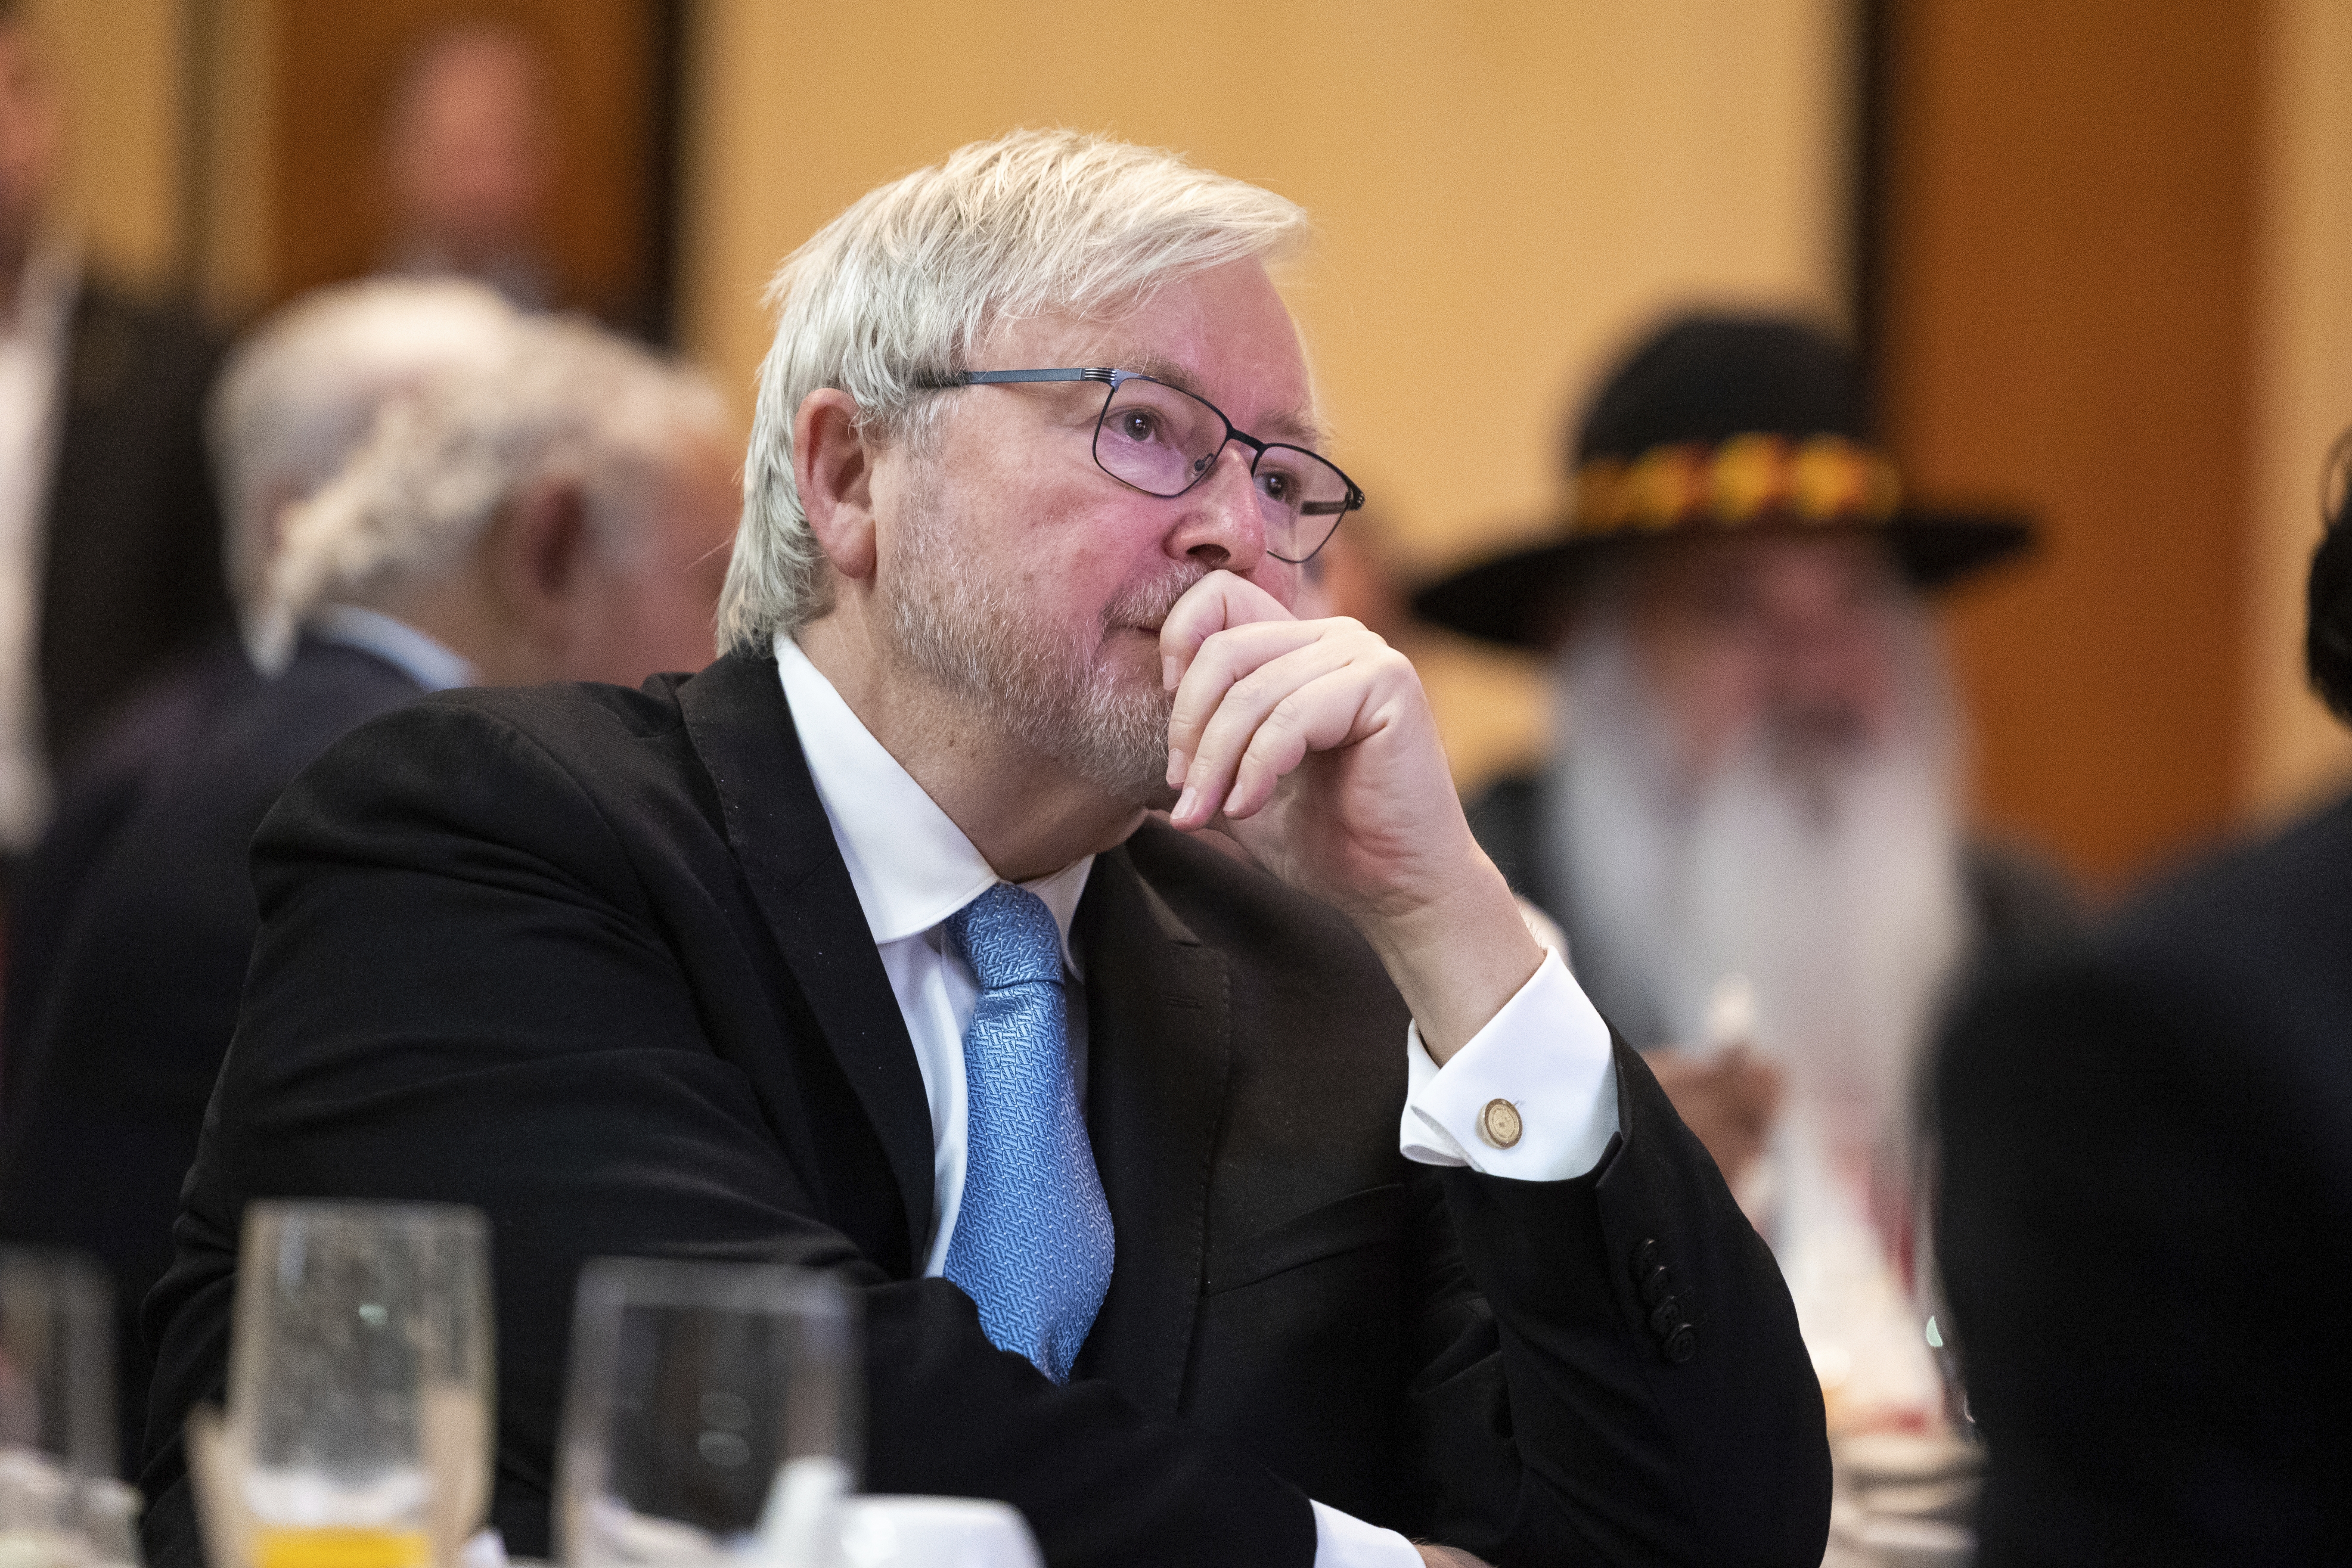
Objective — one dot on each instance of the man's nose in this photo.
(1223, 525)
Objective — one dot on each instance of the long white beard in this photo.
(1836, 896)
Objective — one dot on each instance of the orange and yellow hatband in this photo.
(1826, 480)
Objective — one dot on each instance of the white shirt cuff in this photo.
(1547, 1055)
(1343, 1541)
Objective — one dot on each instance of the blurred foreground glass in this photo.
(713, 1415)
(358, 1432)
(59, 1504)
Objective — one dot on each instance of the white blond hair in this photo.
(899, 288)
(566, 402)
(300, 392)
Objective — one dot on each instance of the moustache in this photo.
(1145, 606)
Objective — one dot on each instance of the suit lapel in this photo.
(1159, 1045)
(742, 729)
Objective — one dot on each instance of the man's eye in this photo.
(1140, 425)
(1276, 486)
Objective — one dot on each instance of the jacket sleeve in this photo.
(1626, 1342)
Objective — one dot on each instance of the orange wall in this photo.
(118, 65)
(2069, 254)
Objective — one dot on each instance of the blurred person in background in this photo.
(293, 400)
(2146, 1220)
(1753, 832)
(561, 513)
(109, 541)
(469, 157)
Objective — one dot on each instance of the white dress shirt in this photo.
(1547, 1052)
(32, 358)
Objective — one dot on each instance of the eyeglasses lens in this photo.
(1156, 438)
(1162, 441)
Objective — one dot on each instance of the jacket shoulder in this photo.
(584, 726)
(125, 347)
(2294, 889)
(576, 774)
(2022, 906)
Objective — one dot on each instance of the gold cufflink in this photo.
(1500, 1122)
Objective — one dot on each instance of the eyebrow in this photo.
(1291, 427)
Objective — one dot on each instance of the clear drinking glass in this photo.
(360, 1383)
(714, 1411)
(57, 1411)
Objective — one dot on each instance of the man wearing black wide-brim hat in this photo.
(1751, 830)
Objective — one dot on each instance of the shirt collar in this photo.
(398, 644)
(912, 866)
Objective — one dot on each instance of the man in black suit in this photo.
(1208, 1215)
(2147, 1217)
(109, 540)
(533, 426)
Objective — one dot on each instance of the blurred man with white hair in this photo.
(1207, 1216)
(1753, 829)
(549, 503)
(295, 397)
(301, 395)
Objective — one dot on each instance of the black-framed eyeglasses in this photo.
(1163, 440)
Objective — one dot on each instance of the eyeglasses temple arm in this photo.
(954, 378)
(1327, 508)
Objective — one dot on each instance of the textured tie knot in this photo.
(1009, 938)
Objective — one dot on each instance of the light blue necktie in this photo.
(1033, 1240)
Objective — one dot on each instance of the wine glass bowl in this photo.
(703, 1398)
(360, 1383)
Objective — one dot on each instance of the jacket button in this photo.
(1654, 1285)
(1681, 1345)
(1666, 1318)
(1645, 1257)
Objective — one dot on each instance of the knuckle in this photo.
(1255, 689)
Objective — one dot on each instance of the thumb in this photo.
(1209, 606)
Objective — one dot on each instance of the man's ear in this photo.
(538, 549)
(833, 466)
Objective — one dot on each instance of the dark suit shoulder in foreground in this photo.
(590, 960)
(2147, 1200)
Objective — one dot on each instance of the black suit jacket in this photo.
(149, 740)
(133, 570)
(140, 996)
(2147, 1224)
(590, 959)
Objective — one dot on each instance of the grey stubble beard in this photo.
(961, 625)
